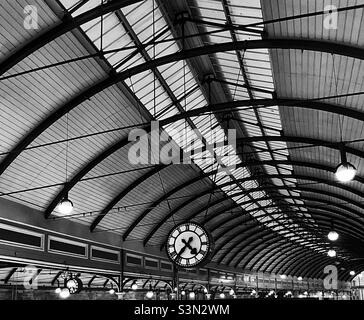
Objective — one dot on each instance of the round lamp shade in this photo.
(331, 253)
(65, 293)
(65, 206)
(333, 236)
(150, 294)
(345, 172)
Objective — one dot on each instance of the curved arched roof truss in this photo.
(91, 73)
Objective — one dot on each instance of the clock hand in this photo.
(181, 251)
(187, 244)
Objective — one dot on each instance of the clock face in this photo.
(74, 285)
(188, 245)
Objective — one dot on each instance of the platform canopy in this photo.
(78, 76)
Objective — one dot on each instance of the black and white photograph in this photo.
(181, 158)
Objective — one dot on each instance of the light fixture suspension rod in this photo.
(343, 153)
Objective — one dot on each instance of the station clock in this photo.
(189, 245)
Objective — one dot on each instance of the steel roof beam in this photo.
(125, 141)
(233, 244)
(323, 216)
(68, 24)
(35, 276)
(324, 201)
(124, 193)
(314, 45)
(275, 259)
(240, 214)
(298, 267)
(283, 196)
(285, 266)
(297, 163)
(251, 253)
(309, 190)
(9, 275)
(228, 241)
(260, 261)
(349, 228)
(290, 254)
(240, 58)
(56, 277)
(317, 270)
(243, 223)
(260, 227)
(316, 215)
(159, 201)
(79, 175)
(258, 248)
(269, 235)
(162, 81)
(307, 262)
(181, 206)
(265, 246)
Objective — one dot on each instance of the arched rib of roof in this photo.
(286, 197)
(252, 251)
(263, 188)
(315, 45)
(257, 163)
(278, 197)
(233, 244)
(211, 216)
(270, 254)
(298, 260)
(69, 23)
(273, 248)
(265, 241)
